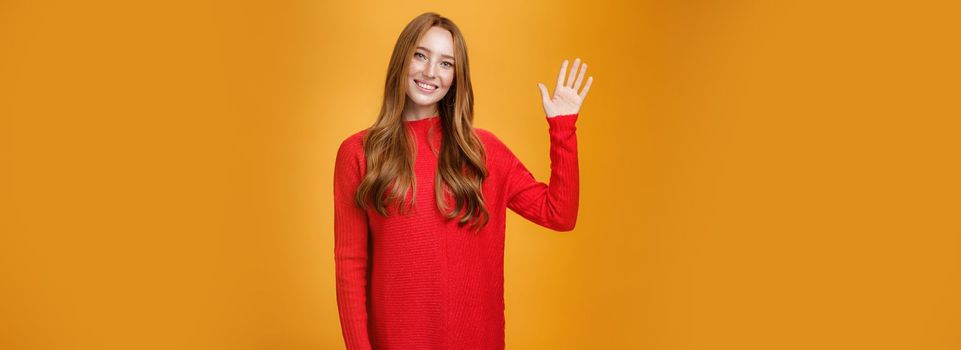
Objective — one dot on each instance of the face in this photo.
(431, 70)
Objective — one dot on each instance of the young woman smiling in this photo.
(420, 200)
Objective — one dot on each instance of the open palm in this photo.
(566, 99)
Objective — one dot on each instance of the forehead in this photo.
(438, 40)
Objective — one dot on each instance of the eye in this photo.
(449, 65)
(418, 54)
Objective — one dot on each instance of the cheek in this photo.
(448, 80)
(413, 68)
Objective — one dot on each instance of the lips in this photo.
(424, 86)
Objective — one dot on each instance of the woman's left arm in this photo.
(554, 205)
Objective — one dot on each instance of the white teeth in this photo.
(426, 86)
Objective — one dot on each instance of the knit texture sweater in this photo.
(420, 281)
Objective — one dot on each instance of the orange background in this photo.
(755, 174)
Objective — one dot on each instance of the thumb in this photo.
(544, 94)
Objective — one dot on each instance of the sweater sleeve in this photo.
(350, 248)
(551, 205)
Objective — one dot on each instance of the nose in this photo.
(429, 72)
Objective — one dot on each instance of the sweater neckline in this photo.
(423, 123)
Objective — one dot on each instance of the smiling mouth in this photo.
(425, 86)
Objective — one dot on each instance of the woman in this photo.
(421, 197)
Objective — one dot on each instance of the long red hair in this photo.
(390, 153)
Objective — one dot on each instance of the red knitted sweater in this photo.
(419, 281)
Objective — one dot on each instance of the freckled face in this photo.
(431, 69)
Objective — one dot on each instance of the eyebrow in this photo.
(428, 51)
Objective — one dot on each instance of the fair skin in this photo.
(431, 74)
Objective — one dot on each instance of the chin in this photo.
(423, 100)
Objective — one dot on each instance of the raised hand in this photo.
(566, 99)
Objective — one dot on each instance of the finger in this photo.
(545, 96)
(587, 87)
(560, 76)
(580, 77)
(570, 78)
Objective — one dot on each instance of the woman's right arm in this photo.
(350, 246)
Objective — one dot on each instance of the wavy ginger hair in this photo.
(390, 151)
